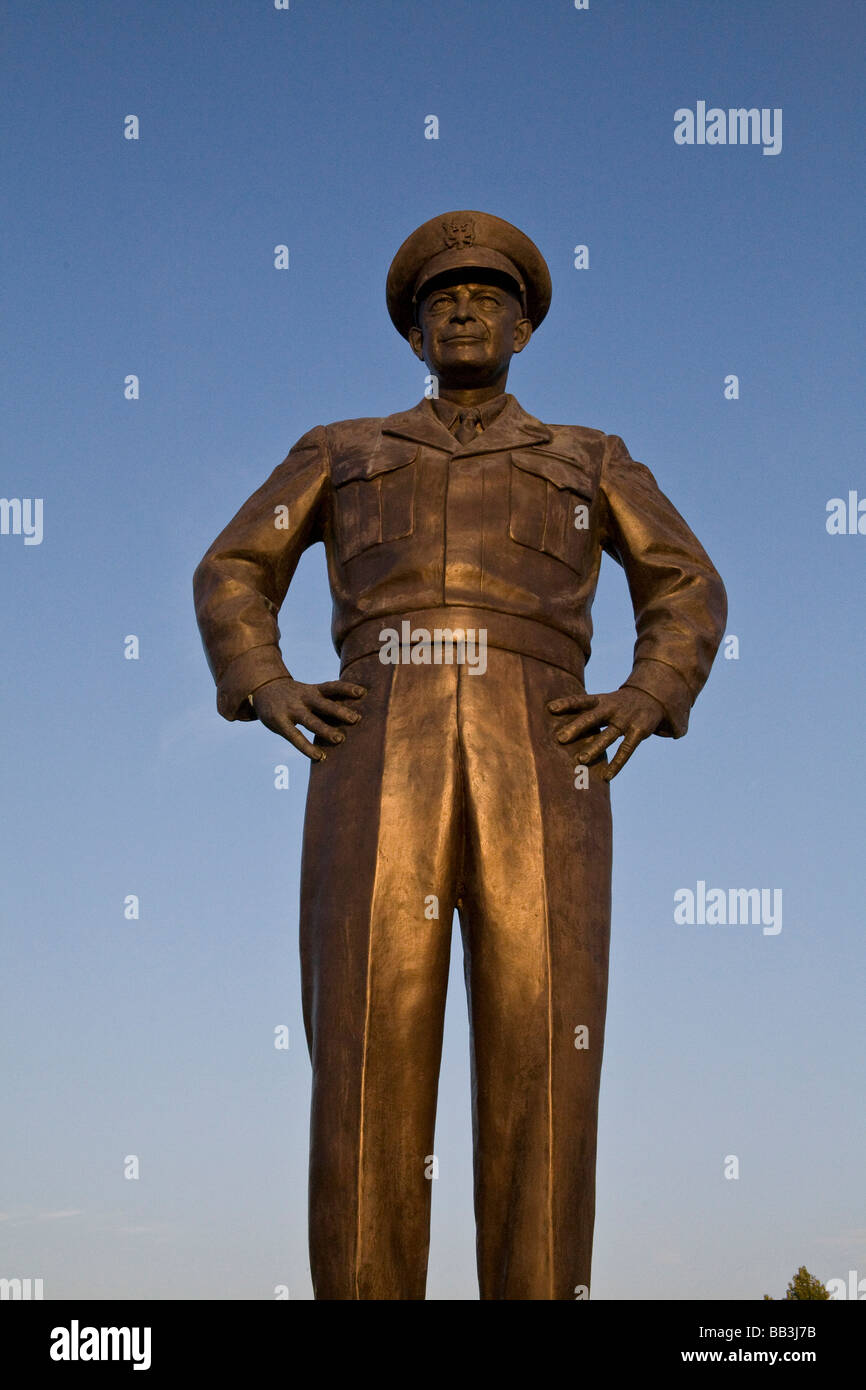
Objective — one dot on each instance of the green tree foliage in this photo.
(803, 1286)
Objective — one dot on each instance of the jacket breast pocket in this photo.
(549, 505)
(374, 498)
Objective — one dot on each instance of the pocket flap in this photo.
(563, 470)
(355, 465)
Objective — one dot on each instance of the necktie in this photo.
(470, 425)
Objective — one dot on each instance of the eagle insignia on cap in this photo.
(458, 233)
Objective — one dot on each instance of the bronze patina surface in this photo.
(458, 763)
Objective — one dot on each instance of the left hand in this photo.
(629, 714)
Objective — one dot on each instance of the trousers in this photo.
(452, 793)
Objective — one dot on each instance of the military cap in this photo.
(476, 240)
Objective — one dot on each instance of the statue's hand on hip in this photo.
(283, 704)
(629, 714)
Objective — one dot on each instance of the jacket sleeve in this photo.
(679, 600)
(242, 579)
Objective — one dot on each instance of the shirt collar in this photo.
(449, 411)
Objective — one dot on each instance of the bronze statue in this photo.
(458, 762)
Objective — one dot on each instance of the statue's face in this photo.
(468, 333)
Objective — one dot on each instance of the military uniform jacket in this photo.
(504, 533)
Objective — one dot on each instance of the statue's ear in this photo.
(522, 334)
(416, 339)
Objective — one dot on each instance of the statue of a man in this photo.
(458, 763)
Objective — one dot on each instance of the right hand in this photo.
(281, 705)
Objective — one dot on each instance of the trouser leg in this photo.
(535, 914)
(381, 850)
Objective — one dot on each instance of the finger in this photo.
(570, 704)
(318, 726)
(593, 719)
(593, 750)
(341, 690)
(287, 730)
(621, 756)
(330, 709)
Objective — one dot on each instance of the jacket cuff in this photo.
(667, 686)
(243, 676)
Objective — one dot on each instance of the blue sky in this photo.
(155, 257)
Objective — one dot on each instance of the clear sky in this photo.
(155, 257)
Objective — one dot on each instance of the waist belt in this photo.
(524, 636)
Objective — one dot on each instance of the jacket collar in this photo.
(513, 428)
